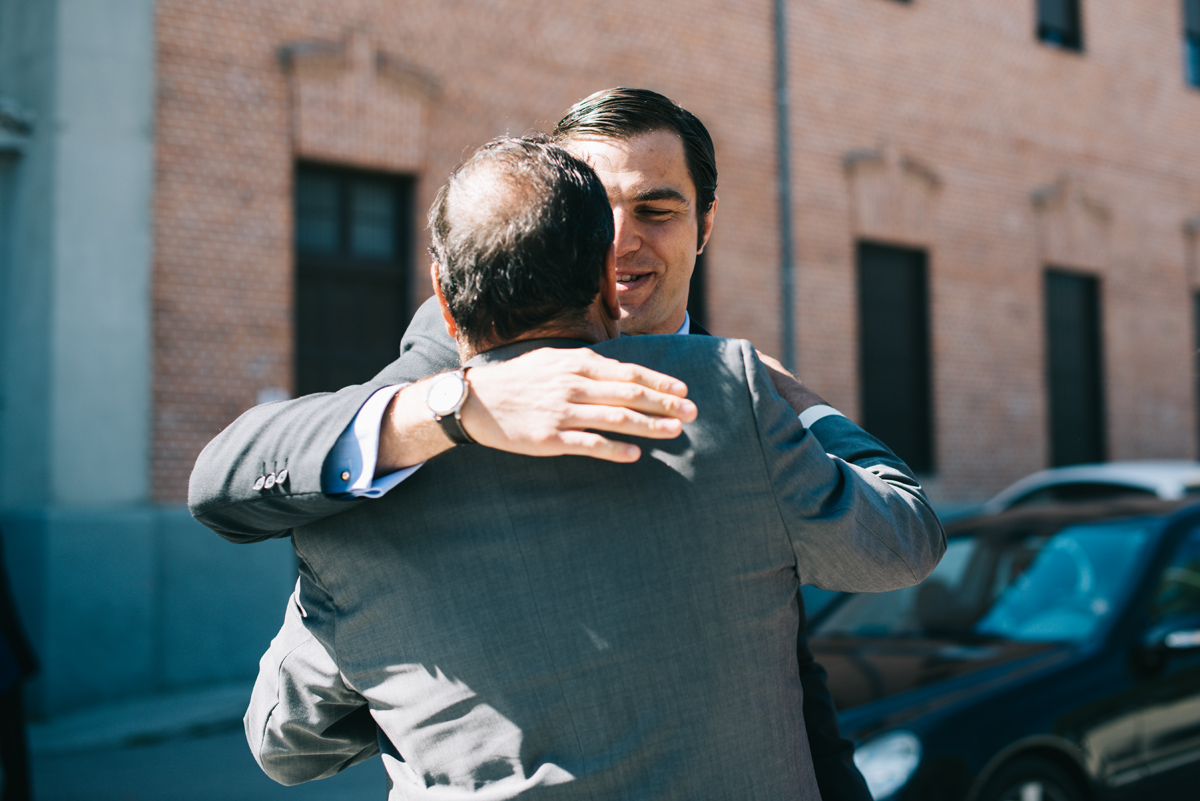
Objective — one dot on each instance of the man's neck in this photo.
(589, 334)
(670, 325)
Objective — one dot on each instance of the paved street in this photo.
(183, 747)
(217, 766)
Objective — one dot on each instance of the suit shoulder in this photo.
(715, 370)
(662, 349)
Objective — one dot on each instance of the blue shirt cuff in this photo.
(814, 413)
(349, 468)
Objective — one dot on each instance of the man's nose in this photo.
(627, 237)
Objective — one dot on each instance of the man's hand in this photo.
(549, 402)
(798, 396)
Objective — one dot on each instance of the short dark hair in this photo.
(520, 234)
(623, 113)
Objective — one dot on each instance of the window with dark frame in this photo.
(895, 373)
(1191, 42)
(1074, 368)
(354, 239)
(1059, 23)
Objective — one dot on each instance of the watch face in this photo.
(445, 394)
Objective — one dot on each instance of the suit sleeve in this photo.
(833, 756)
(858, 522)
(297, 436)
(303, 721)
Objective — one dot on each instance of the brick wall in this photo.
(1105, 139)
(938, 123)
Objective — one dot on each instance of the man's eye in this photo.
(657, 212)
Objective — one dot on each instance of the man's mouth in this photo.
(629, 279)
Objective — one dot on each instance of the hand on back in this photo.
(552, 401)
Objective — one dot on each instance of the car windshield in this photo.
(1032, 587)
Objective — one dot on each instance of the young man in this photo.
(571, 628)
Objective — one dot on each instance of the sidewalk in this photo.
(181, 747)
(143, 721)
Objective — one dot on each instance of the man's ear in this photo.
(451, 326)
(706, 225)
(608, 283)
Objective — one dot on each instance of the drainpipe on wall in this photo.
(787, 279)
(16, 124)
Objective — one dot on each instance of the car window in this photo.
(1072, 585)
(963, 581)
(1014, 586)
(1177, 593)
(1080, 492)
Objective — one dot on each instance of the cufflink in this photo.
(270, 481)
(345, 475)
(259, 483)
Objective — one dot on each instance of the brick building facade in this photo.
(941, 126)
(995, 207)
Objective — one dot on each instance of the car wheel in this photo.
(1031, 779)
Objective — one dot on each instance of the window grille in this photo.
(353, 236)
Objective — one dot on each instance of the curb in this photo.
(143, 721)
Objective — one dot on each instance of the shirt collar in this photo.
(686, 328)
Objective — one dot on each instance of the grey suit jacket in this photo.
(567, 628)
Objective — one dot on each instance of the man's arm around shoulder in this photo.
(545, 403)
(857, 516)
(229, 489)
(225, 492)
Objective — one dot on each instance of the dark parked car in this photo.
(1053, 655)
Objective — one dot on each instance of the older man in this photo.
(571, 628)
(657, 165)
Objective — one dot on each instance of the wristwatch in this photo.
(446, 396)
